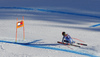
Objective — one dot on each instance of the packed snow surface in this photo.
(44, 23)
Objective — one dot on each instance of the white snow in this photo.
(43, 29)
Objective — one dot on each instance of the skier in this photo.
(66, 38)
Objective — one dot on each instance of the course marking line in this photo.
(70, 13)
(95, 25)
(46, 47)
(16, 8)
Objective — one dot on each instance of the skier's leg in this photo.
(67, 42)
(71, 41)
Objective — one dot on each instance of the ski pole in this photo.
(78, 39)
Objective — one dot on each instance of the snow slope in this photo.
(44, 23)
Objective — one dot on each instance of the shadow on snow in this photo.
(45, 46)
(50, 15)
(29, 43)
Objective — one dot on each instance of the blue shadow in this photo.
(53, 11)
(54, 19)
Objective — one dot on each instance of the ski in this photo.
(82, 44)
(67, 44)
(76, 45)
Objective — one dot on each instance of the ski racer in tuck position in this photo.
(67, 38)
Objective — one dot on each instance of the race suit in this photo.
(67, 39)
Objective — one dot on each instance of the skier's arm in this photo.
(63, 40)
(70, 39)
